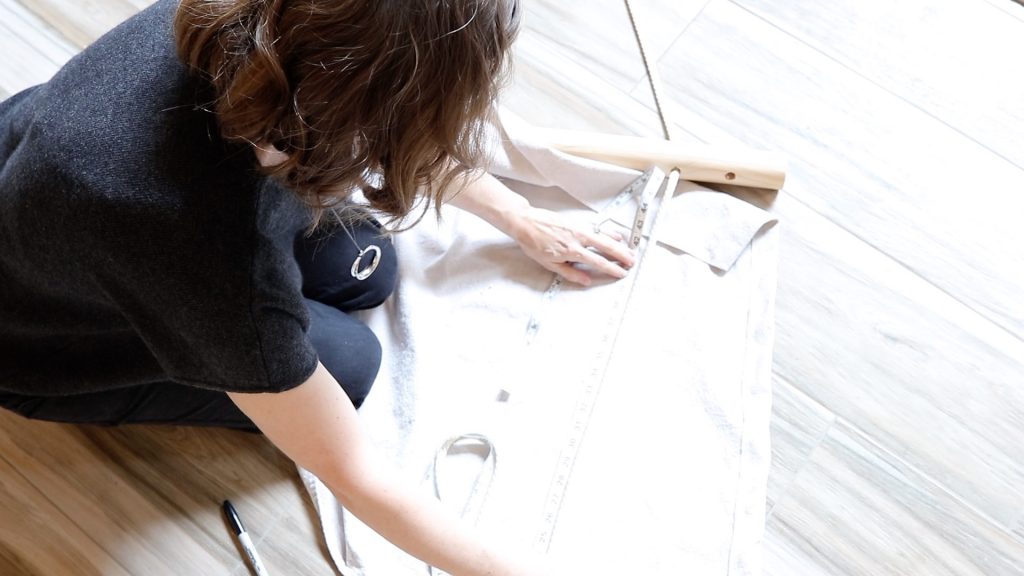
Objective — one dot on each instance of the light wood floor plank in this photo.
(265, 487)
(292, 547)
(37, 539)
(151, 495)
(936, 54)
(936, 201)
(554, 90)
(858, 510)
(30, 51)
(915, 369)
(151, 521)
(83, 21)
(194, 470)
(597, 33)
(798, 426)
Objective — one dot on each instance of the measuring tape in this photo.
(644, 189)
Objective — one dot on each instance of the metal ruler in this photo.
(644, 189)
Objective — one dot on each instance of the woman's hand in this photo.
(569, 248)
(316, 426)
(572, 249)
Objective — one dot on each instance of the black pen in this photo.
(243, 539)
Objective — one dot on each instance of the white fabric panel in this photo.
(671, 473)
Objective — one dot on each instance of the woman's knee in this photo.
(350, 266)
(376, 271)
(347, 348)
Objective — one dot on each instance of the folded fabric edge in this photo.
(714, 227)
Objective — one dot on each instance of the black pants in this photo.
(346, 346)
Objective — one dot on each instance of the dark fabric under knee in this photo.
(347, 348)
(157, 403)
(326, 257)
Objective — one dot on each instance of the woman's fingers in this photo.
(569, 272)
(572, 249)
(598, 262)
(610, 246)
(595, 252)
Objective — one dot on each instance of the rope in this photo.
(652, 74)
(473, 505)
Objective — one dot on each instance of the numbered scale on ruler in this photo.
(643, 190)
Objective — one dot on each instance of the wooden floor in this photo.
(899, 363)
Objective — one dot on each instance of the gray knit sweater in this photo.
(137, 246)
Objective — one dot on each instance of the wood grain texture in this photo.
(244, 468)
(118, 512)
(858, 510)
(936, 54)
(554, 90)
(31, 50)
(37, 539)
(871, 162)
(915, 369)
(294, 545)
(83, 21)
(597, 33)
(798, 426)
(150, 496)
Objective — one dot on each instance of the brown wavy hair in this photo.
(387, 96)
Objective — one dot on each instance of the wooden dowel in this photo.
(696, 162)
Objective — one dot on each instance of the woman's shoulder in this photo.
(121, 90)
(125, 127)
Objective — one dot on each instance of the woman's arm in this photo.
(547, 237)
(316, 426)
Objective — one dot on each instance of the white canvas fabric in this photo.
(671, 468)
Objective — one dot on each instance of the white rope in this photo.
(473, 505)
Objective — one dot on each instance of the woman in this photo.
(172, 245)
